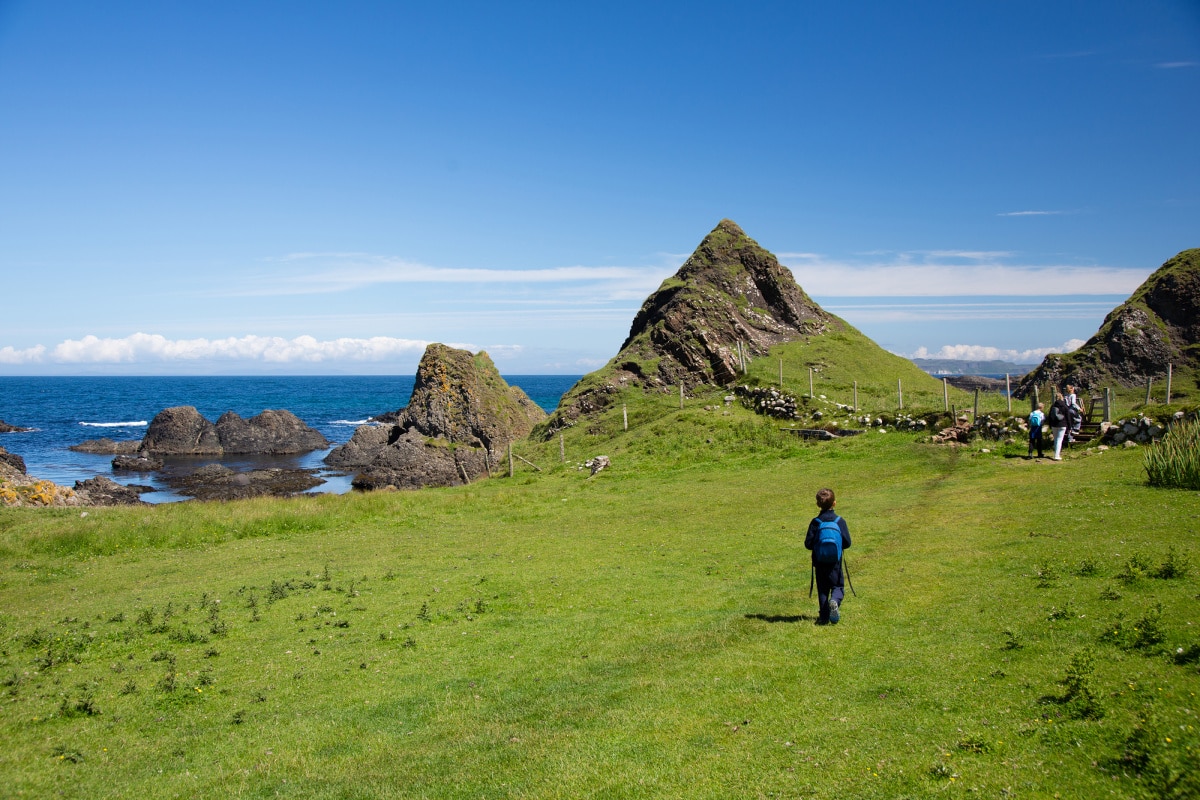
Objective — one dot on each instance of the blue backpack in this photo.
(828, 549)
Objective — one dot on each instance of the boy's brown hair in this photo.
(825, 499)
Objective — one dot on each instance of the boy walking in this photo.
(828, 535)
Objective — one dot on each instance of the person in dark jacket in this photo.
(1059, 419)
(830, 587)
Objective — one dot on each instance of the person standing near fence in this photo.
(1059, 419)
(1036, 419)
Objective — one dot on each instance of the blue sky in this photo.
(316, 187)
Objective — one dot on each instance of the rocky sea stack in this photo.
(730, 294)
(183, 431)
(461, 415)
(1158, 325)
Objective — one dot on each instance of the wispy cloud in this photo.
(954, 273)
(1177, 64)
(343, 272)
(1032, 213)
(975, 352)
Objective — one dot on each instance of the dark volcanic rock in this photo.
(363, 446)
(181, 430)
(138, 463)
(1158, 325)
(107, 447)
(414, 461)
(13, 460)
(6, 428)
(101, 491)
(460, 415)
(218, 482)
(271, 432)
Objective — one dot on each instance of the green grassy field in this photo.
(1021, 629)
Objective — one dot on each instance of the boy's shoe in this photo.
(834, 616)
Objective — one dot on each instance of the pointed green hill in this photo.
(729, 315)
(1159, 325)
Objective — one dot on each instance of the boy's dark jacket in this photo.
(814, 527)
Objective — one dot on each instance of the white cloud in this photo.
(1177, 64)
(975, 352)
(30, 355)
(954, 273)
(1031, 213)
(150, 348)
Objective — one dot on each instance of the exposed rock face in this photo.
(271, 432)
(461, 413)
(218, 482)
(101, 491)
(107, 447)
(183, 431)
(414, 461)
(687, 333)
(12, 460)
(1158, 325)
(6, 428)
(138, 463)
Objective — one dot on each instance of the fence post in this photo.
(975, 413)
(810, 388)
(625, 416)
(562, 448)
(510, 460)
(1148, 382)
(681, 396)
(1008, 391)
(1168, 384)
(781, 373)
(1107, 404)
(900, 392)
(946, 394)
(856, 396)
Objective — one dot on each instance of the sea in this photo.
(62, 411)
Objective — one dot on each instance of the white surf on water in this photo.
(141, 423)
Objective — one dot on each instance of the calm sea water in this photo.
(66, 411)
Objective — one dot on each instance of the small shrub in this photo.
(1087, 568)
(1080, 687)
(1177, 565)
(1133, 570)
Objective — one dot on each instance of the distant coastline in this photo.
(951, 367)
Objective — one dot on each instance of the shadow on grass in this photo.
(782, 617)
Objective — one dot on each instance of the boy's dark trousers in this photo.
(829, 582)
(1035, 440)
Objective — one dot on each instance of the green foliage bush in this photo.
(1174, 463)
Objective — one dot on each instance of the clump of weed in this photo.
(974, 744)
(1164, 768)
(1133, 570)
(1177, 565)
(1046, 574)
(117, 617)
(81, 707)
(163, 655)
(145, 617)
(1081, 695)
(129, 688)
(424, 614)
(1187, 655)
(1011, 641)
(64, 753)
(1110, 593)
(278, 591)
(1087, 568)
(1145, 634)
(1066, 612)
(167, 683)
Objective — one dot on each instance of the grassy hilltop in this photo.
(1021, 629)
